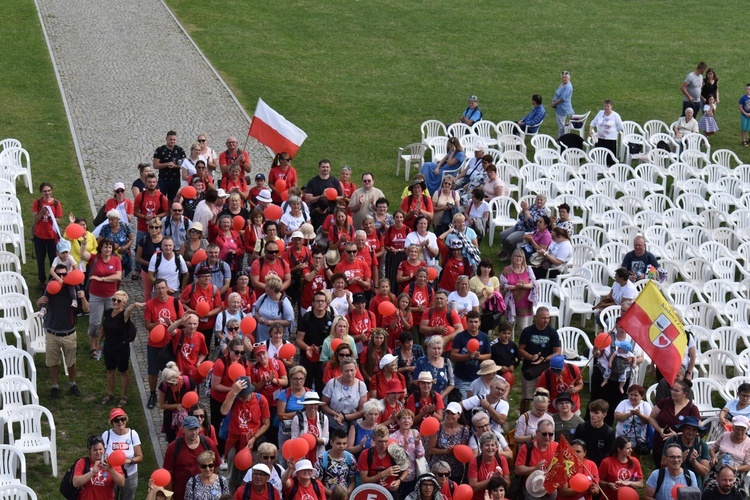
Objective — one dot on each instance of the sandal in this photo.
(744, 143)
(106, 399)
(93, 353)
(122, 402)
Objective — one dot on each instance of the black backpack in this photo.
(249, 488)
(177, 265)
(67, 489)
(663, 474)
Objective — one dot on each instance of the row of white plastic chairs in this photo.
(15, 163)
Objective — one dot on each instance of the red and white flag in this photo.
(273, 130)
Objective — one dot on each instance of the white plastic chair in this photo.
(718, 292)
(9, 143)
(652, 127)
(9, 262)
(658, 235)
(730, 388)
(631, 205)
(608, 317)
(658, 137)
(12, 223)
(658, 202)
(612, 220)
(12, 466)
(16, 391)
(682, 294)
(503, 213)
(634, 140)
(677, 220)
(18, 362)
(438, 148)
(34, 335)
(10, 203)
(580, 188)
(7, 187)
(433, 128)
(516, 158)
(715, 363)
(577, 124)
(547, 157)
(544, 141)
(703, 392)
(471, 143)
(653, 177)
(507, 127)
(730, 239)
(609, 187)
(729, 269)
(697, 271)
(12, 282)
(17, 492)
(30, 438)
(703, 315)
(580, 298)
(591, 172)
(612, 254)
(661, 158)
(415, 155)
(712, 250)
(726, 157)
(8, 326)
(597, 235)
(507, 143)
(729, 339)
(575, 157)
(694, 158)
(697, 142)
(601, 156)
(458, 130)
(547, 292)
(15, 309)
(647, 218)
(19, 164)
(487, 131)
(576, 340)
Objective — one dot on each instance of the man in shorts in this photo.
(60, 315)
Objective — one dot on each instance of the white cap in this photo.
(453, 408)
(303, 465)
(119, 185)
(261, 468)
(222, 193)
(387, 360)
(298, 234)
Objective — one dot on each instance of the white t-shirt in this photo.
(633, 426)
(344, 398)
(189, 166)
(627, 292)
(562, 251)
(223, 318)
(463, 304)
(414, 238)
(292, 223)
(275, 479)
(501, 407)
(528, 428)
(478, 210)
(125, 443)
(479, 388)
(168, 269)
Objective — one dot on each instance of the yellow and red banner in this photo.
(655, 326)
(564, 466)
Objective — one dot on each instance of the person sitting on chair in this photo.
(531, 122)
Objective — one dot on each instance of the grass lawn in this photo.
(33, 113)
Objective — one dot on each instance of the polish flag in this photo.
(273, 130)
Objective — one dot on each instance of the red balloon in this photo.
(273, 212)
(463, 492)
(116, 458)
(386, 309)
(312, 443)
(287, 351)
(204, 368)
(243, 460)
(331, 194)
(432, 274)
(286, 449)
(280, 244)
(54, 287)
(202, 309)
(579, 483)
(74, 277)
(626, 493)
(472, 345)
(284, 195)
(508, 376)
(280, 185)
(247, 325)
(157, 333)
(430, 426)
(335, 343)
(161, 477)
(74, 231)
(238, 223)
(675, 488)
(390, 442)
(189, 399)
(188, 192)
(463, 453)
(235, 371)
(198, 257)
(602, 341)
(299, 448)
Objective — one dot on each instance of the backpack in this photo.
(161, 197)
(293, 492)
(517, 484)
(249, 488)
(324, 462)
(430, 293)
(663, 474)
(67, 489)
(170, 233)
(181, 440)
(177, 265)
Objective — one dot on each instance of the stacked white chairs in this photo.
(16, 392)
(17, 492)
(433, 128)
(9, 262)
(12, 282)
(35, 338)
(18, 362)
(412, 153)
(15, 162)
(15, 310)
(703, 391)
(550, 295)
(26, 433)
(12, 466)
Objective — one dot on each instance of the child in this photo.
(504, 352)
(64, 258)
(744, 105)
(260, 183)
(708, 124)
(337, 467)
(621, 362)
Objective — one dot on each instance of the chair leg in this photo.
(407, 168)
(492, 234)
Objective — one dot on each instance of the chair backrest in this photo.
(12, 465)
(433, 128)
(574, 338)
(516, 158)
(471, 143)
(544, 141)
(507, 143)
(602, 156)
(416, 150)
(17, 492)
(18, 362)
(12, 282)
(485, 129)
(16, 156)
(508, 127)
(35, 338)
(29, 418)
(7, 186)
(726, 157)
(575, 157)
(9, 143)
(458, 130)
(15, 307)
(609, 316)
(16, 391)
(9, 262)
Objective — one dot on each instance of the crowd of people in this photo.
(393, 317)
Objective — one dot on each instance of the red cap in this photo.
(117, 412)
(393, 385)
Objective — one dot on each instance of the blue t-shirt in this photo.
(473, 114)
(293, 403)
(745, 103)
(665, 492)
(467, 370)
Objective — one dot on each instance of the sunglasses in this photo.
(233, 328)
(269, 457)
(201, 140)
(547, 434)
(62, 275)
(443, 474)
(115, 301)
(119, 420)
(154, 227)
(271, 252)
(345, 354)
(239, 353)
(207, 466)
(176, 211)
(199, 415)
(119, 190)
(351, 251)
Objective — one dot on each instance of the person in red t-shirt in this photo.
(388, 372)
(221, 384)
(189, 345)
(562, 377)
(250, 420)
(233, 182)
(407, 270)
(543, 450)
(45, 210)
(367, 254)
(356, 270)
(161, 310)
(392, 404)
(203, 291)
(317, 277)
(402, 321)
(302, 486)
(426, 402)
(260, 487)
(234, 154)
(422, 295)
(565, 492)
(455, 266)
(417, 204)
(361, 321)
(384, 295)
(281, 169)
(118, 199)
(246, 293)
(485, 466)
(149, 204)
(268, 376)
(100, 480)
(437, 320)
(270, 263)
(375, 464)
(182, 464)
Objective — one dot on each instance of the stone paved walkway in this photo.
(130, 73)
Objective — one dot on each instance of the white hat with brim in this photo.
(264, 196)
(311, 398)
(221, 193)
(261, 468)
(303, 465)
(535, 484)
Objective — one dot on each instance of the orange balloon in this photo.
(335, 343)
(472, 345)
(248, 324)
(74, 231)
(579, 483)
(157, 333)
(312, 443)
(188, 192)
(161, 477)
(432, 274)
(463, 492)
(198, 257)
(285, 195)
(287, 351)
(74, 277)
(281, 244)
(602, 341)
(430, 426)
(280, 185)
(273, 212)
(286, 449)
(298, 448)
(243, 460)
(386, 309)
(627, 493)
(235, 371)
(202, 308)
(463, 453)
(205, 367)
(238, 223)
(54, 287)
(331, 194)
(116, 458)
(189, 399)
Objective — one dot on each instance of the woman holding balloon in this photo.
(172, 390)
(289, 403)
(282, 176)
(106, 273)
(125, 440)
(620, 465)
(444, 437)
(226, 369)
(102, 477)
(584, 484)
(193, 250)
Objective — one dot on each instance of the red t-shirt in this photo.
(248, 298)
(44, 229)
(396, 238)
(335, 235)
(446, 490)
(361, 324)
(164, 313)
(378, 383)
(411, 402)
(481, 471)
(276, 173)
(275, 369)
(113, 204)
(560, 383)
(451, 271)
(592, 468)
(441, 318)
(220, 370)
(227, 184)
(368, 256)
(537, 455)
(194, 294)
(395, 326)
(375, 241)
(377, 466)
(192, 347)
(100, 487)
(357, 269)
(305, 492)
(330, 221)
(348, 188)
(611, 471)
(424, 204)
(260, 268)
(149, 204)
(246, 416)
(375, 302)
(227, 159)
(293, 257)
(103, 270)
(318, 283)
(421, 296)
(410, 270)
(254, 495)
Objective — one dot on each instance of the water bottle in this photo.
(725, 459)
(98, 354)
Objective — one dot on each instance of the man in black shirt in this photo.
(316, 187)
(598, 436)
(60, 315)
(168, 160)
(724, 488)
(537, 345)
(313, 329)
(638, 260)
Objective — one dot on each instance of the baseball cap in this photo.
(387, 360)
(298, 234)
(117, 412)
(259, 348)
(191, 422)
(221, 193)
(260, 177)
(557, 363)
(473, 98)
(454, 408)
(119, 185)
(741, 421)
(261, 467)
(63, 246)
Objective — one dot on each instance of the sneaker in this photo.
(223, 466)
(151, 401)
(54, 392)
(74, 390)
